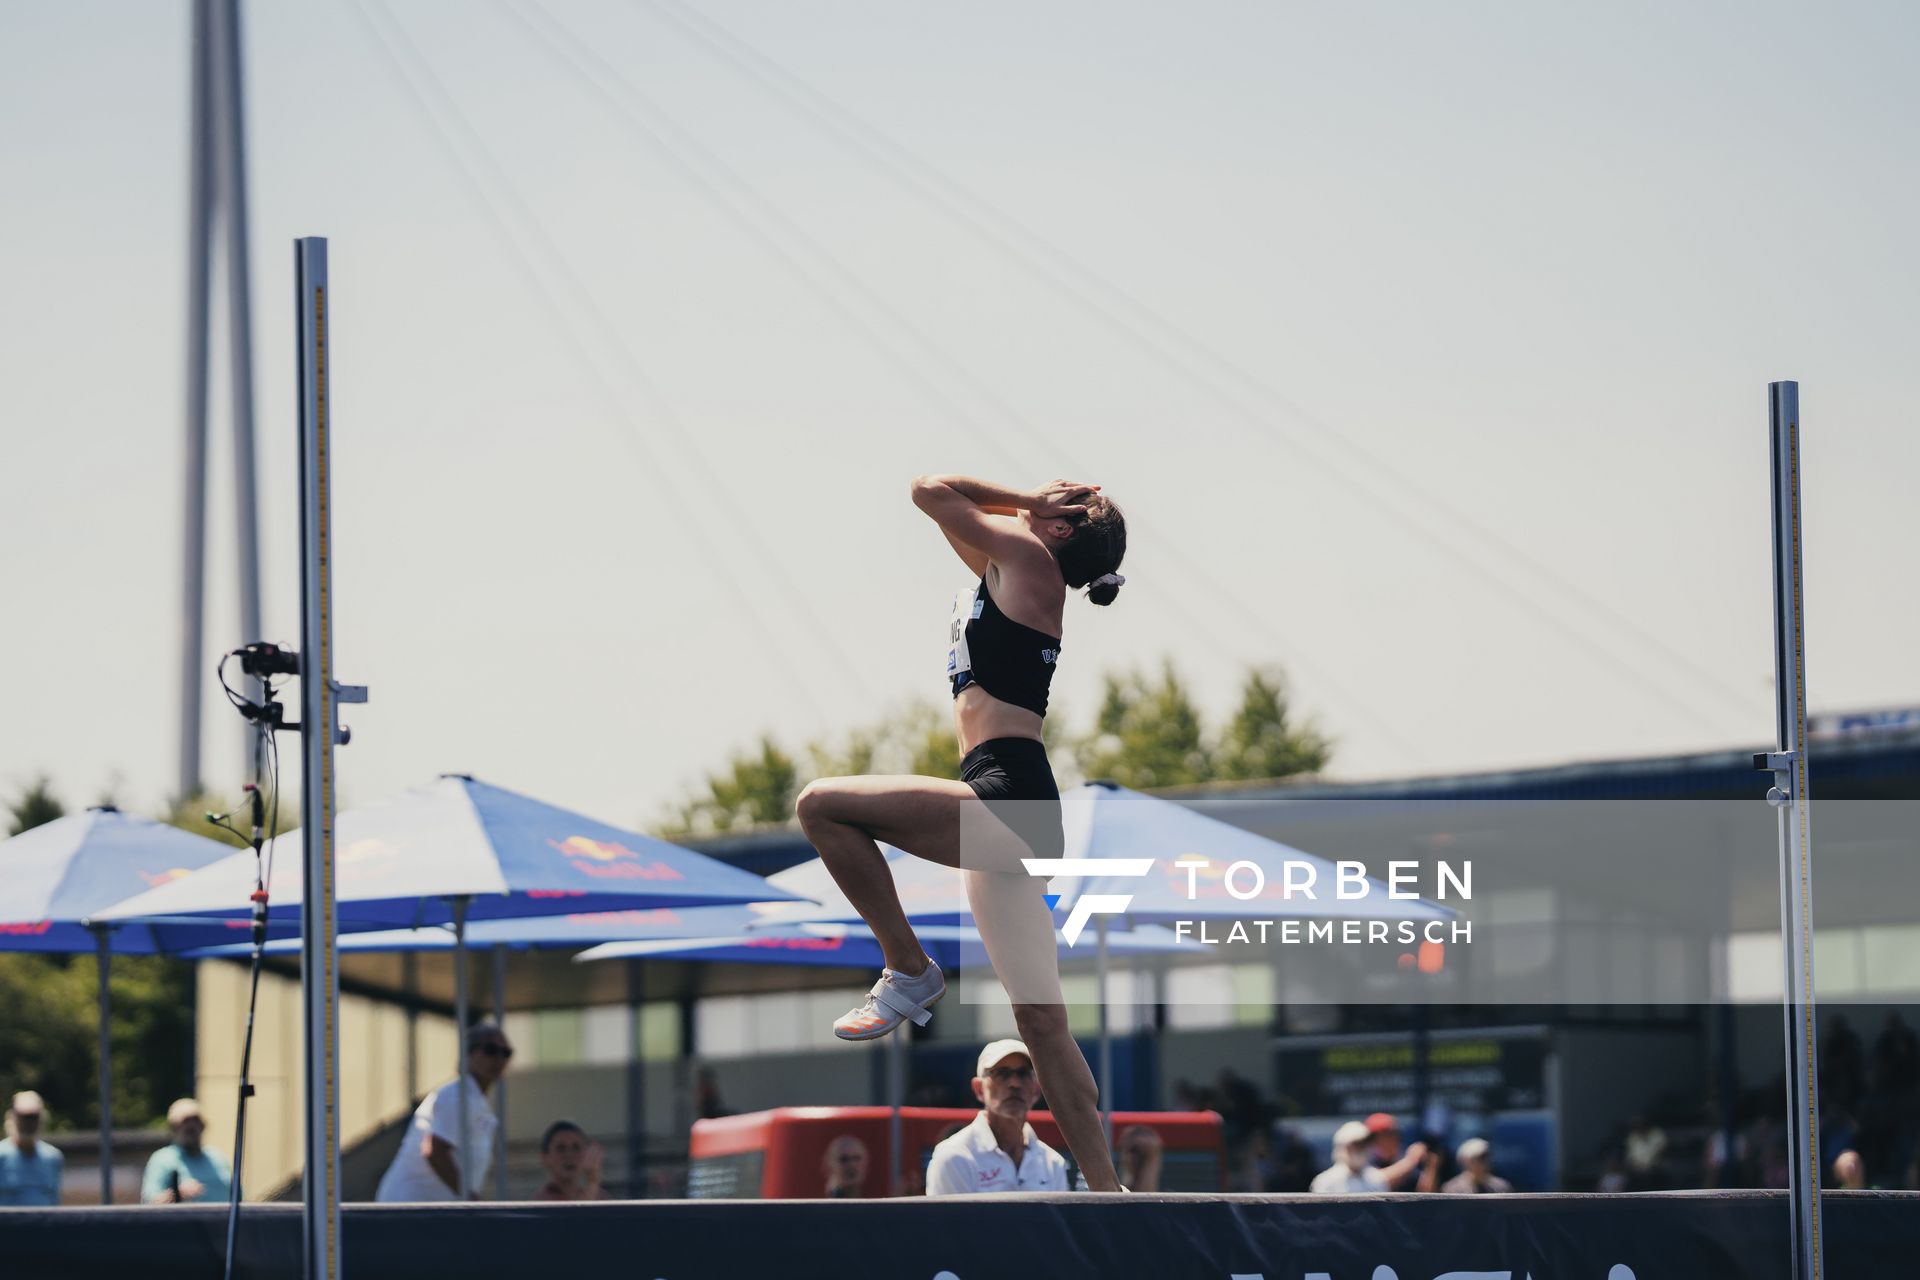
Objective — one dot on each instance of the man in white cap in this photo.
(188, 1170)
(1476, 1171)
(30, 1169)
(1352, 1168)
(998, 1151)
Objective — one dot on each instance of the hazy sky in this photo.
(1426, 347)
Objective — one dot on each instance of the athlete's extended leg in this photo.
(1017, 928)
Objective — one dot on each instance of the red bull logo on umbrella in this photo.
(796, 943)
(609, 859)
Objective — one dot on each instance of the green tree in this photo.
(1147, 734)
(757, 788)
(34, 807)
(917, 738)
(1262, 741)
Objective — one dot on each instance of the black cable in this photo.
(512, 220)
(1164, 340)
(821, 272)
(266, 822)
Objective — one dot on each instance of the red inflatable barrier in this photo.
(781, 1154)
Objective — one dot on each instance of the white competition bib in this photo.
(966, 607)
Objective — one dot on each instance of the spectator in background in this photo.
(706, 1096)
(1141, 1149)
(1352, 1168)
(1646, 1155)
(1292, 1163)
(188, 1170)
(1769, 1151)
(1723, 1167)
(424, 1167)
(572, 1164)
(1850, 1171)
(1896, 1056)
(1843, 1066)
(846, 1168)
(1476, 1176)
(1399, 1167)
(1239, 1106)
(30, 1170)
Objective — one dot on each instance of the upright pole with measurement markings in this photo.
(1791, 797)
(319, 972)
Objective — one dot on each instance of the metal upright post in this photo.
(103, 949)
(229, 138)
(896, 1094)
(636, 1082)
(1791, 797)
(463, 1149)
(500, 1085)
(194, 547)
(319, 697)
(1106, 1032)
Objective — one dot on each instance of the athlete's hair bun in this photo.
(1091, 556)
(1104, 588)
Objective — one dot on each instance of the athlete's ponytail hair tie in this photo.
(1108, 579)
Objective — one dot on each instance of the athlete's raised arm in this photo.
(969, 512)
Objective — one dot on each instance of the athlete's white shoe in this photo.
(894, 999)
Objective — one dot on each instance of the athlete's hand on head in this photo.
(1061, 498)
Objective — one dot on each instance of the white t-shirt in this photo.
(410, 1178)
(1340, 1180)
(971, 1161)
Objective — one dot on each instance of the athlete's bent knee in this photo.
(816, 801)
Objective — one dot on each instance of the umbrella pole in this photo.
(500, 1086)
(1106, 1035)
(460, 1152)
(106, 1070)
(896, 1085)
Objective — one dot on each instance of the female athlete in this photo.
(1027, 549)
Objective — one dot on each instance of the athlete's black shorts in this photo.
(1013, 777)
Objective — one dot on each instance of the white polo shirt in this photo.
(410, 1179)
(1340, 1180)
(971, 1161)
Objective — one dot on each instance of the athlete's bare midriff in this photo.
(980, 717)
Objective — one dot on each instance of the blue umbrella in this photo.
(580, 929)
(457, 850)
(55, 877)
(929, 894)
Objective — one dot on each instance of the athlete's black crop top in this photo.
(1008, 659)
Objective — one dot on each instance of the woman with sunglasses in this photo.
(1028, 549)
(427, 1165)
